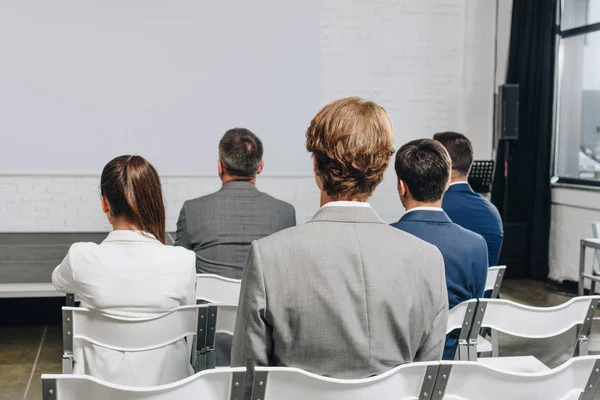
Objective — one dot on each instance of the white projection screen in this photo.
(82, 81)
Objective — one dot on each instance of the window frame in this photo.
(556, 180)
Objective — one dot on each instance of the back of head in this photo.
(240, 152)
(460, 149)
(352, 141)
(132, 188)
(424, 165)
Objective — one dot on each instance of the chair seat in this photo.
(483, 345)
(515, 364)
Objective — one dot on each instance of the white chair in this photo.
(461, 317)
(219, 319)
(223, 295)
(534, 323)
(577, 379)
(217, 289)
(221, 384)
(408, 381)
(495, 275)
(126, 334)
(596, 262)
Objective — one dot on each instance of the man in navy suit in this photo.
(423, 169)
(465, 207)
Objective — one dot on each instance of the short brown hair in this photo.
(352, 140)
(241, 152)
(460, 149)
(132, 187)
(424, 165)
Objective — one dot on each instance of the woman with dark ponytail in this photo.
(131, 274)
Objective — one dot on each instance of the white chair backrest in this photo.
(403, 382)
(596, 235)
(460, 314)
(535, 322)
(226, 316)
(130, 334)
(474, 381)
(494, 278)
(218, 289)
(215, 384)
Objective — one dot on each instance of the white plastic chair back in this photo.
(226, 316)
(474, 381)
(132, 334)
(403, 382)
(218, 289)
(221, 384)
(494, 279)
(596, 235)
(125, 334)
(535, 322)
(461, 315)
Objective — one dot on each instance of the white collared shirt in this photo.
(347, 204)
(459, 183)
(424, 209)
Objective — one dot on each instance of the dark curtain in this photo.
(531, 65)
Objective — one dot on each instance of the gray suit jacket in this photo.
(344, 295)
(220, 227)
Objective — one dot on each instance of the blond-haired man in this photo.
(344, 295)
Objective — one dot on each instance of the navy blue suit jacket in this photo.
(471, 211)
(465, 257)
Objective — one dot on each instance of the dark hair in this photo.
(352, 141)
(424, 165)
(240, 152)
(460, 149)
(132, 187)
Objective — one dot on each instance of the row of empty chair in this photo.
(522, 321)
(577, 379)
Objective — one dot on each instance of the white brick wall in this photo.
(72, 204)
(409, 55)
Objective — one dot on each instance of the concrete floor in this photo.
(28, 351)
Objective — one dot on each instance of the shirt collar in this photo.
(347, 204)
(459, 183)
(423, 209)
(130, 236)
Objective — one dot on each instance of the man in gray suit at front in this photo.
(220, 227)
(344, 295)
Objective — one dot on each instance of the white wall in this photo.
(573, 211)
(429, 62)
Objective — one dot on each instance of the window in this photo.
(577, 153)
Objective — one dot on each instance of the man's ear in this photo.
(260, 167)
(105, 204)
(402, 188)
(220, 168)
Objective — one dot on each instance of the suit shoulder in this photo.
(278, 202)
(467, 235)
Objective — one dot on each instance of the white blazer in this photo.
(130, 274)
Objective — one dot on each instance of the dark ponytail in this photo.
(132, 187)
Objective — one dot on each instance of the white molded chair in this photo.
(596, 262)
(534, 323)
(217, 289)
(577, 379)
(221, 384)
(219, 319)
(408, 381)
(461, 317)
(126, 334)
(495, 275)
